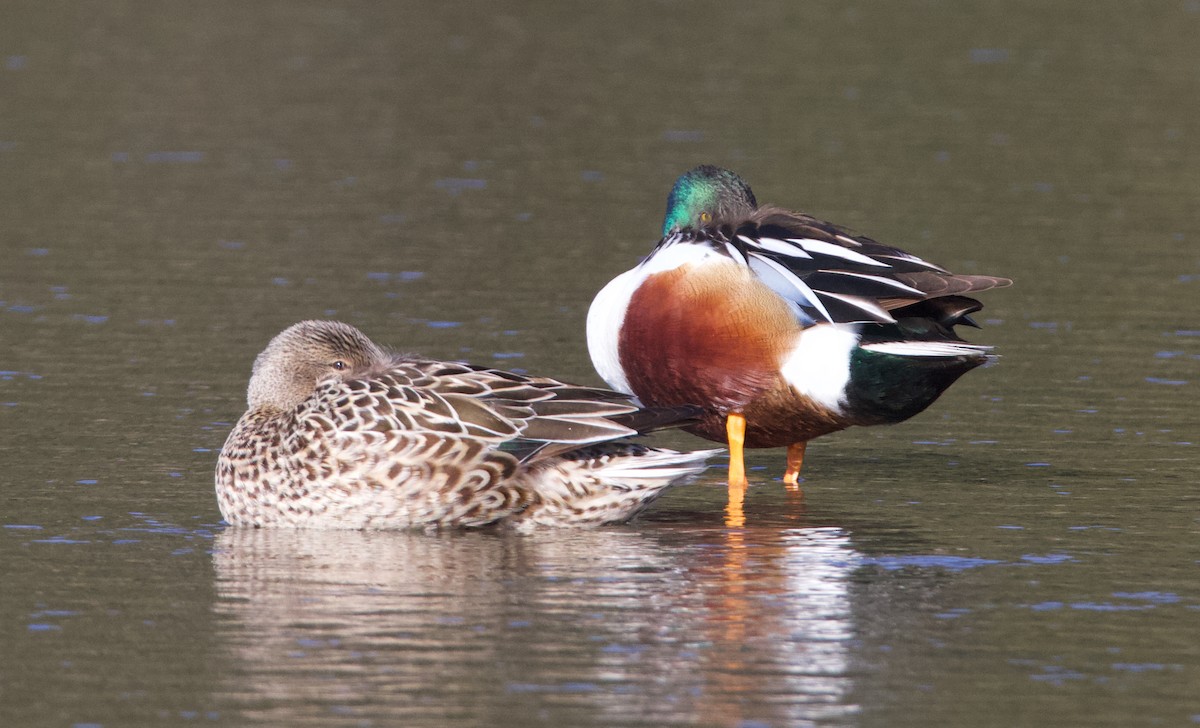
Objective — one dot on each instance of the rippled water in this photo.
(565, 630)
(179, 183)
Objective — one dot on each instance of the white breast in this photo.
(607, 312)
(604, 327)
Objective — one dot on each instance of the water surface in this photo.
(178, 183)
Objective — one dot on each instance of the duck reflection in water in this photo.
(664, 624)
(735, 506)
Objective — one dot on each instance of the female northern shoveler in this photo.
(782, 326)
(343, 434)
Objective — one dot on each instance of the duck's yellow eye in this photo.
(705, 217)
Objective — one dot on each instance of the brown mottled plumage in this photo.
(343, 434)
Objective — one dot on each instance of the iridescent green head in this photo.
(704, 196)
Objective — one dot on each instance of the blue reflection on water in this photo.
(950, 563)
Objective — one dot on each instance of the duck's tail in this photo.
(601, 484)
(891, 381)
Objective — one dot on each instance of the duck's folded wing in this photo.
(832, 276)
(532, 417)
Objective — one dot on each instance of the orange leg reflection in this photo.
(735, 516)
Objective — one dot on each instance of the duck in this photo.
(341, 433)
(783, 327)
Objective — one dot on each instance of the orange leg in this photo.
(795, 459)
(735, 431)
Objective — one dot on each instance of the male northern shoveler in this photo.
(343, 434)
(782, 326)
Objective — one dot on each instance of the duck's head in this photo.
(305, 355)
(705, 196)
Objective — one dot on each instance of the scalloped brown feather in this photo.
(390, 441)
